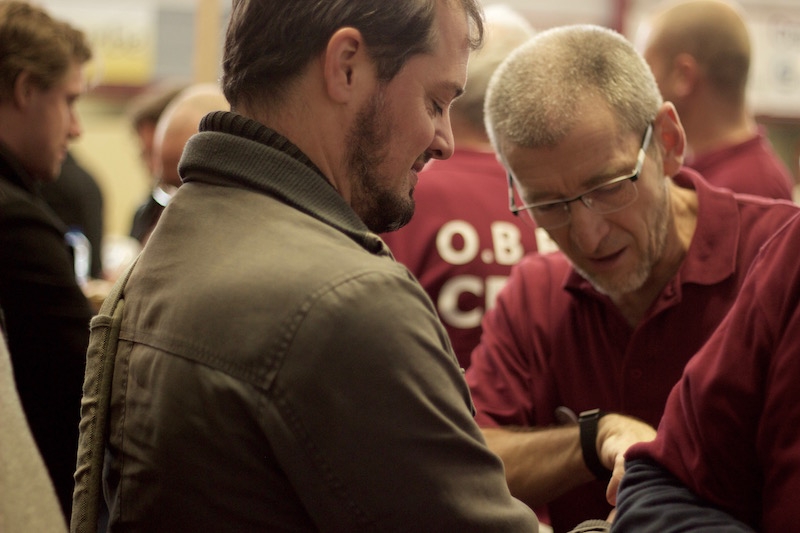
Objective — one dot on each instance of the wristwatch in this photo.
(587, 422)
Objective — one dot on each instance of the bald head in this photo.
(179, 121)
(713, 33)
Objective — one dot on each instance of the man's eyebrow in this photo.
(453, 88)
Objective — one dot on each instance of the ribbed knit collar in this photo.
(234, 124)
(232, 150)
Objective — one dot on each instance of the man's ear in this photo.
(670, 137)
(684, 75)
(346, 63)
(23, 89)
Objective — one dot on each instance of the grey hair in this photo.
(533, 96)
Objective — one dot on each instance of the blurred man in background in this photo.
(143, 113)
(700, 53)
(179, 121)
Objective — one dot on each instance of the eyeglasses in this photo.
(608, 197)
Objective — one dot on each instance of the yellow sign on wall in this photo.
(123, 38)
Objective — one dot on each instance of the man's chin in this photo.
(615, 288)
(390, 224)
(395, 226)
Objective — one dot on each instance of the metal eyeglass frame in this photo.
(512, 205)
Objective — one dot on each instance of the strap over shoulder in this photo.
(87, 498)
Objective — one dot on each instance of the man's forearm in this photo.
(541, 463)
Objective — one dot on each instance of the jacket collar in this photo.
(232, 150)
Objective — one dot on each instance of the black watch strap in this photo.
(587, 422)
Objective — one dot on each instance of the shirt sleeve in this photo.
(728, 430)
(651, 499)
(507, 372)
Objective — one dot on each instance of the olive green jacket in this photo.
(277, 370)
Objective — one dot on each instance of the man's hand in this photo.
(615, 434)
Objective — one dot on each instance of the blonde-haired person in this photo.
(47, 315)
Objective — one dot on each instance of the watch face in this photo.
(591, 413)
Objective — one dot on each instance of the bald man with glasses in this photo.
(583, 345)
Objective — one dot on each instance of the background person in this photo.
(46, 314)
(143, 112)
(178, 122)
(651, 259)
(78, 201)
(699, 51)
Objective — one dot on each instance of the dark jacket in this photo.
(78, 201)
(46, 320)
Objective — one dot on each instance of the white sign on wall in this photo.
(775, 77)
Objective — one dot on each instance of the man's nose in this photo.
(587, 228)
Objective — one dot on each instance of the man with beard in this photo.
(651, 259)
(462, 241)
(273, 367)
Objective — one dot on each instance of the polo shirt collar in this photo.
(711, 257)
(712, 253)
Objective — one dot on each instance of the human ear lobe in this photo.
(670, 137)
(344, 58)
